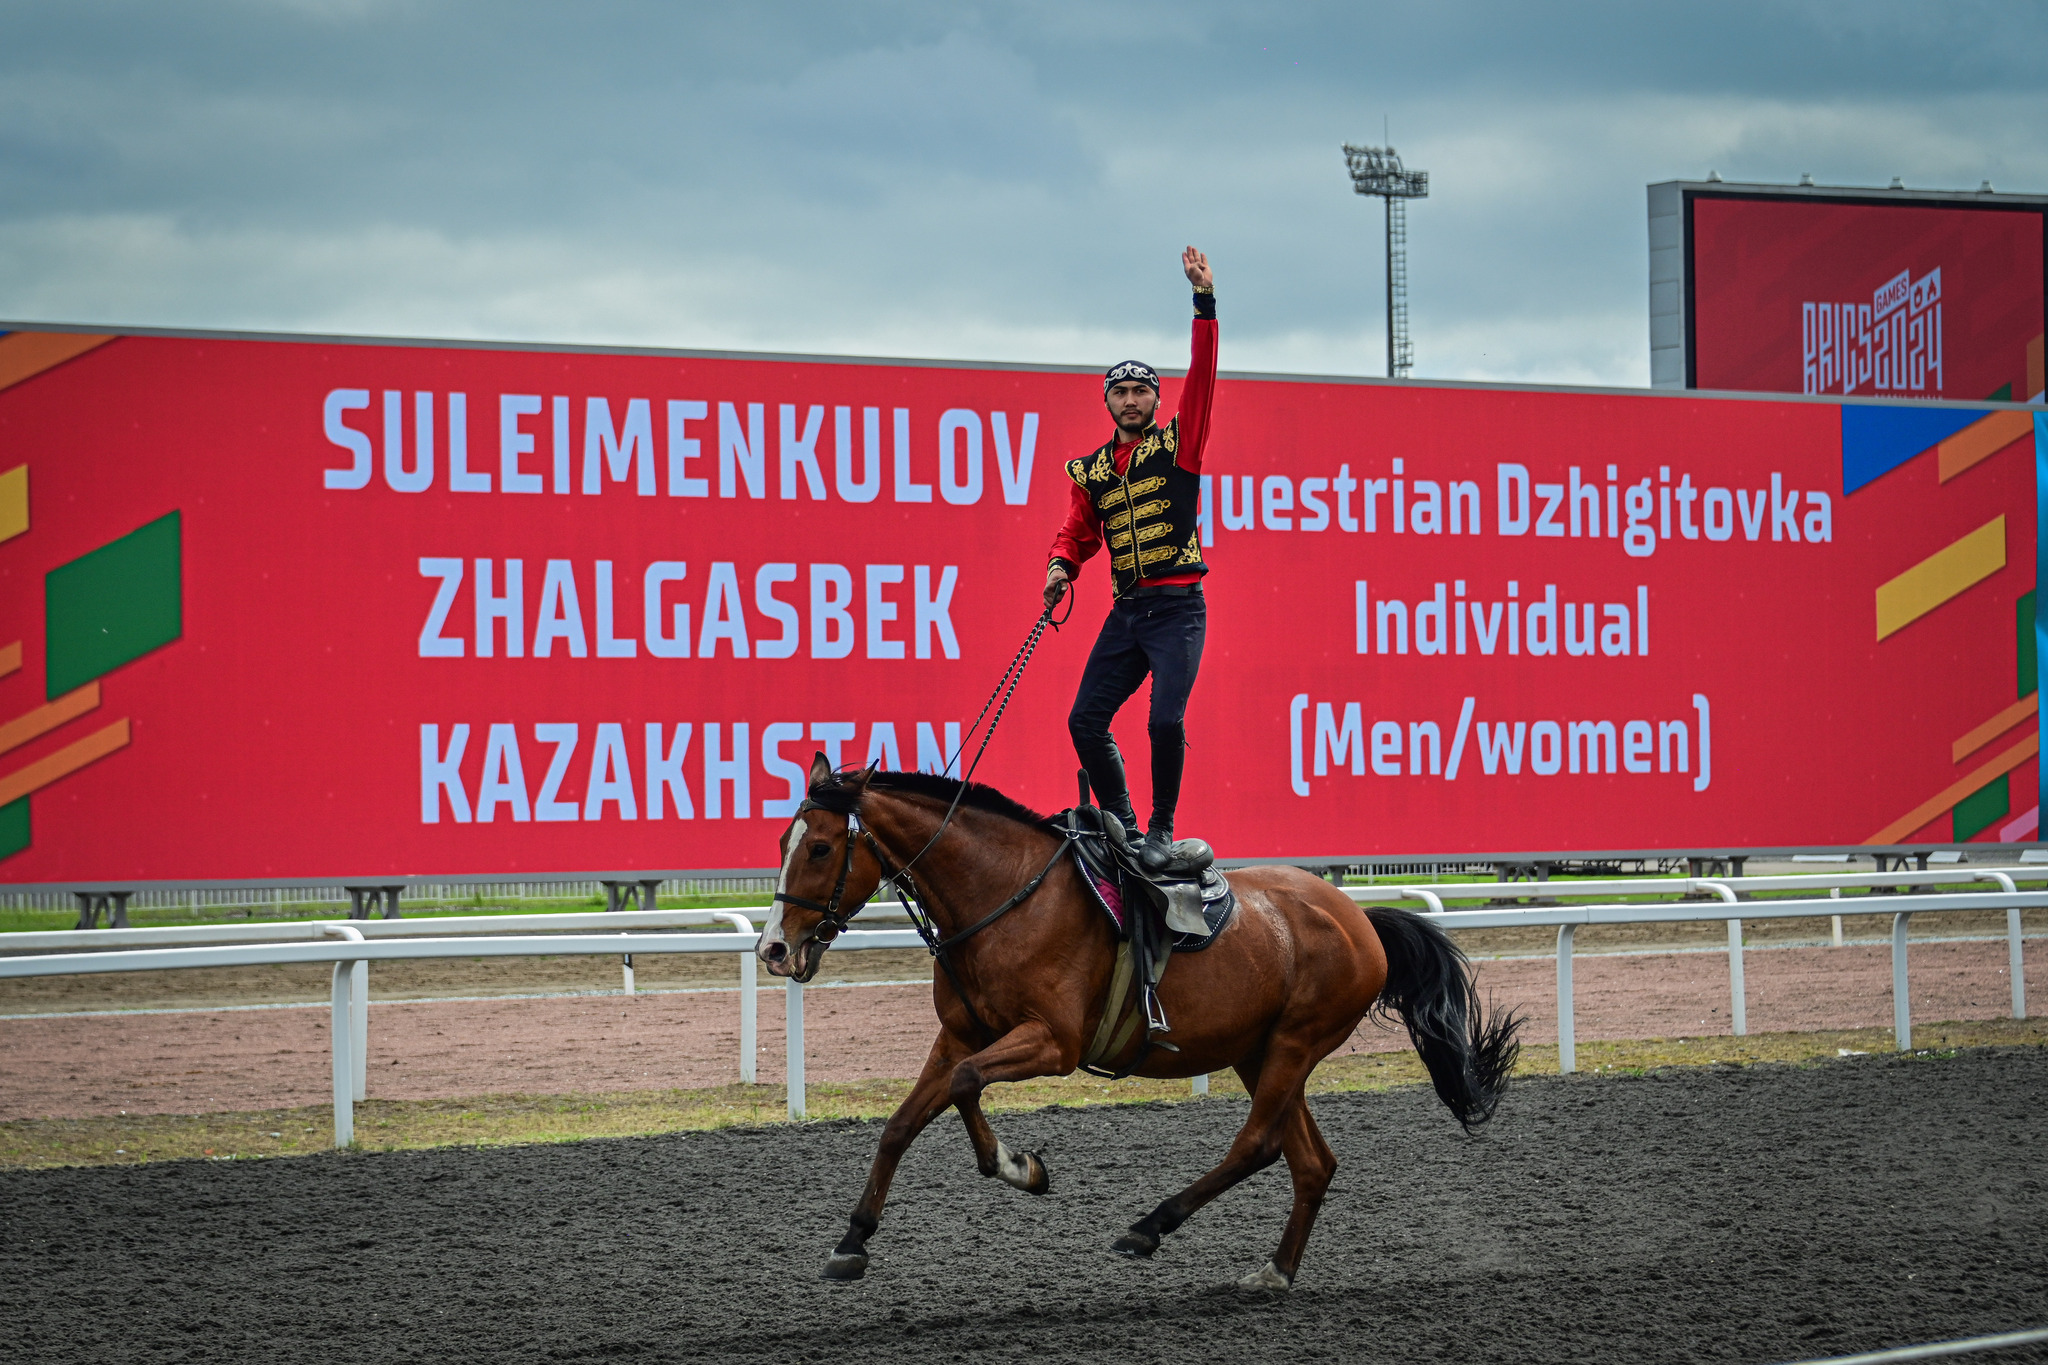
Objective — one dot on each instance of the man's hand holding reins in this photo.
(1055, 585)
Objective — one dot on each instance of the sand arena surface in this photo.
(272, 1058)
(1713, 1214)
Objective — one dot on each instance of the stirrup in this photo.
(1155, 1017)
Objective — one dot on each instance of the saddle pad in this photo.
(1218, 904)
(1111, 899)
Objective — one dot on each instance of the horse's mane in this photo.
(841, 791)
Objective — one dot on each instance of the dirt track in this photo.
(1751, 1215)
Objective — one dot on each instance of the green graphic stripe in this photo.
(2023, 622)
(1981, 809)
(13, 827)
(112, 606)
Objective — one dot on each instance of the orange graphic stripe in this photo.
(1980, 440)
(64, 762)
(24, 355)
(1949, 795)
(44, 719)
(2023, 709)
(10, 658)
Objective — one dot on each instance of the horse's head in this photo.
(828, 873)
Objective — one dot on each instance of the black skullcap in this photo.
(1128, 372)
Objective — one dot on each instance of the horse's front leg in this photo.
(926, 1101)
(1026, 1051)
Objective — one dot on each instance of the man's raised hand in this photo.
(1197, 267)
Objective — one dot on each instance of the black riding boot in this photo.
(1169, 758)
(1105, 767)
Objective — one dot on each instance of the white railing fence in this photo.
(350, 946)
(1727, 891)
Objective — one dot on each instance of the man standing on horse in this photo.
(1141, 493)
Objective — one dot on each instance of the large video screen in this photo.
(1853, 299)
(311, 611)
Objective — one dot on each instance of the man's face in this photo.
(1131, 404)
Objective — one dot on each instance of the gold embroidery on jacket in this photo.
(1193, 553)
(1160, 555)
(1139, 489)
(1142, 511)
(1102, 469)
(1152, 532)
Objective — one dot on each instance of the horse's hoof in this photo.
(1136, 1245)
(1025, 1170)
(1266, 1280)
(845, 1267)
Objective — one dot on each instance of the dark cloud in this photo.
(1000, 181)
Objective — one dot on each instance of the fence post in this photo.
(1738, 992)
(2018, 963)
(794, 1030)
(1200, 1084)
(341, 1037)
(359, 1026)
(1902, 997)
(749, 1001)
(1567, 1032)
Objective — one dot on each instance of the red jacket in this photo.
(1080, 535)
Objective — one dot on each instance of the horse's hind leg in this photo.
(1276, 1084)
(926, 1101)
(1312, 1164)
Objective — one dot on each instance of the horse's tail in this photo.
(1429, 984)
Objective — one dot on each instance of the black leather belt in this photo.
(1163, 590)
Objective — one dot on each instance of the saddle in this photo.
(1182, 909)
(1191, 895)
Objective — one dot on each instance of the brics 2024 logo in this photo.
(101, 610)
(1891, 345)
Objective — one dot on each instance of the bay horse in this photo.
(1282, 987)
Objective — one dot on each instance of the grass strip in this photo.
(502, 1120)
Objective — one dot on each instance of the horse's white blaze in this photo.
(771, 932)
(1014, 1168)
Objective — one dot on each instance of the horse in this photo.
(1281, 987)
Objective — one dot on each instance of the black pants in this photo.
(1160, 635)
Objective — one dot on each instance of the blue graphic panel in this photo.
(1877, 440)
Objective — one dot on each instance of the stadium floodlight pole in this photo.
(1378, 171)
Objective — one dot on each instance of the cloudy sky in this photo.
(1006, 182)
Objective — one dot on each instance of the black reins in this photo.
(940, 946)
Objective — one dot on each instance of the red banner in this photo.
(1907, 301)
(304, 610)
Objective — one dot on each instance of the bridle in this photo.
(834, 918)
(837, 921)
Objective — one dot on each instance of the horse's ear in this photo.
(821, 769)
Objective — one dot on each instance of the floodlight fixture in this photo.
(1378, 171)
